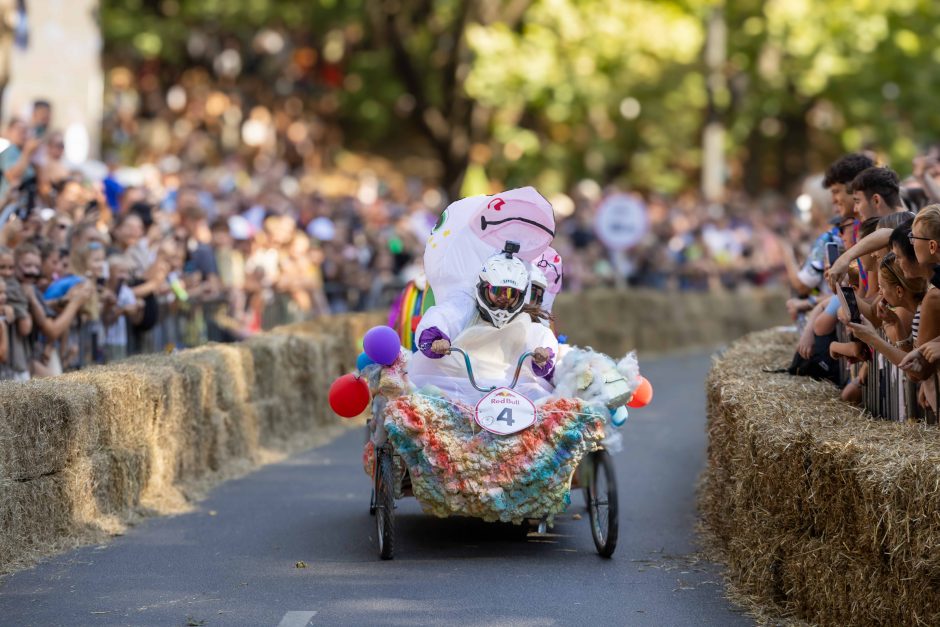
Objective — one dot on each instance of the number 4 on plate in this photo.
(504, 412)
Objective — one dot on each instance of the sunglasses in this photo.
(911, 237)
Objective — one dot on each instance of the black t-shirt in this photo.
(201, 259)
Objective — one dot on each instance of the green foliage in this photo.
(606, 89)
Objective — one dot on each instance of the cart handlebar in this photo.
(473, 382)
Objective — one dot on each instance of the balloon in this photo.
(349, 396)
(382, 345)
(363, 361)
(617, 418)
(643, 394)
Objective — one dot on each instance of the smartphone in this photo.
(847, 296)
(832, 252)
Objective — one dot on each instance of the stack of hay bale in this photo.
(84, 454)
(816, 508)
(645, 320)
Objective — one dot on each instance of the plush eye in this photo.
(440, 221)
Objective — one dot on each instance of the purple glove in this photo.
(545, 371)
(428, 337)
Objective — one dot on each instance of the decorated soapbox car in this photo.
(491, 453)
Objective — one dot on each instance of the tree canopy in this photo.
(551, 91)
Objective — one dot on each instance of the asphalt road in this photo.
(233, 561)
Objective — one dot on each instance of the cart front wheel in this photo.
(601, 492)
(385, 504)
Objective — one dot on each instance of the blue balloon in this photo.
(617, 418)
(363, 361)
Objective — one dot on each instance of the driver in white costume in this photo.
(500, 331)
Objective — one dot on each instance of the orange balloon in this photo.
(643, 394)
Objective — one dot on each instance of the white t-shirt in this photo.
(116, 334)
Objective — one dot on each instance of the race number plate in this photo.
(505, 412)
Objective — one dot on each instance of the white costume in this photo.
(493, 353)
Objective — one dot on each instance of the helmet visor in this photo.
(538, 294)
(508, 298)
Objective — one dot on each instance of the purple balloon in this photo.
(382, 345)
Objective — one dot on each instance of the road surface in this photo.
(233, 561)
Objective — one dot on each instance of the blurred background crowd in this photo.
(269, 162)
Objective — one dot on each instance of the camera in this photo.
(511, 248)
(26, 200)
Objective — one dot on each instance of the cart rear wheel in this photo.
(385, 504)
(602, 502)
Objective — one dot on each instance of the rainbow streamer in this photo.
(407, 311)
(456, 472)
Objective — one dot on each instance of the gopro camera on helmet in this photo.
(511, 248)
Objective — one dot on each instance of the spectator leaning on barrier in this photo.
(49, 324)
(125, 308)
(18, 352)
(6, 320)
(838, 181)
(921, 364)
(900, 299)
(877, 193)
(809, 278)
(855, 350)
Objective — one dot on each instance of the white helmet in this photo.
(538, 283)
(502, 288)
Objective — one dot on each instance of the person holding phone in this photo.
(900, 298)
(126, 309)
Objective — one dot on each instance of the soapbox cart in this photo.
(501, 460)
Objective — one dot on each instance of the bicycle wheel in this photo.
(602, 503)
(385, 504)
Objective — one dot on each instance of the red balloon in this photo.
(643, 394)
(349, 396)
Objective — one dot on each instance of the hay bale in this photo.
(44, 424)
(32, 514)
(818, 510)
(233, 423)
(119, 478)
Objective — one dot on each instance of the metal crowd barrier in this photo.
(176, 327)
(888, 393)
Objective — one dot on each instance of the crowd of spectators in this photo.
(869, 312)
(202, 224)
